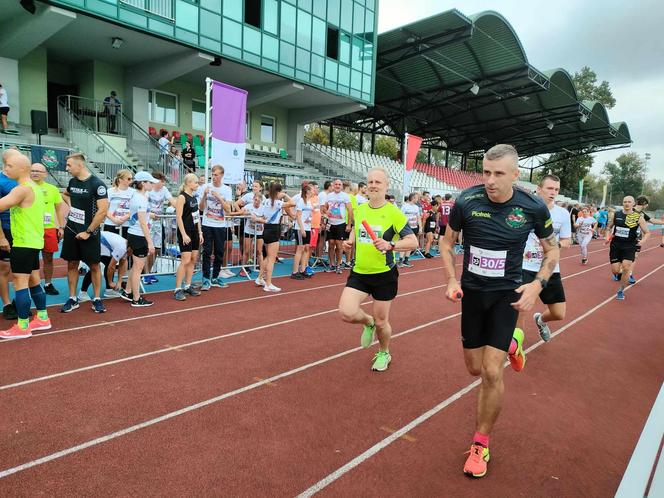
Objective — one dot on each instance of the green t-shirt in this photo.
(28, 223)
(51, 198)
(387, 222)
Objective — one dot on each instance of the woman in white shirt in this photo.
(270, 214)
(117, 217)
(252, 231)
(585, 227)
(304, 209)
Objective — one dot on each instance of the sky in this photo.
(621, 41)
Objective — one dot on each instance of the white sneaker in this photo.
(83, 297)
(226, 274)
(259, 282)
(271, 288)
(108, 293)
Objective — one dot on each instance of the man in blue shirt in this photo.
(8, 310)
(602, 220)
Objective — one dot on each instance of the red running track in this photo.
(570, 422)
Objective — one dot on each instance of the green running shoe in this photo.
(382, 360)
(367, 335)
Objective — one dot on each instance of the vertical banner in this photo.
(581, 190)
(228, 115)
(413, 144)
(604, 189)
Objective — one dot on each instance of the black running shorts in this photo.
(488, 318)
(4, 255)
(138, 245)
(194, 243)
(337, 232)
(619, 252)
(271, 233)
(554, 292)
(381, 286)
(24, 260)
(88, 251)
(303, 241)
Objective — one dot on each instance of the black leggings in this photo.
(214, 243)
(87, 279)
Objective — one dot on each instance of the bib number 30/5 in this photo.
(487, 263)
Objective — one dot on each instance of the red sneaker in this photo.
(15, 332)
(475, 465)
(38, 324)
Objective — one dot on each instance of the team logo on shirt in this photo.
(516, 218)
(101, 190)
(632, 219)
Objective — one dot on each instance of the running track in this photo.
(239, 393)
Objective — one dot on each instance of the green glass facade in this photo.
(329, 44)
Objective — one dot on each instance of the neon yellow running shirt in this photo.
(27, 224)
(387, 222)
(51, 198)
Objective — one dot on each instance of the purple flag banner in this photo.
(229, 115)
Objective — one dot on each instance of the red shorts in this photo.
(51, 240)
(314, 237)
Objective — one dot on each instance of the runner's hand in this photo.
(348, 228)
(151, 248)
(382, 245)
(529, 293)
(186, 239)
(4, 244)
(347, 245)
(83, 236)
(453, 290)
(200, 237)
(303, 233)
(61, 233)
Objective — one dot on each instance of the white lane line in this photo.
(179, 347)
(330, 478)
(215, 338)
(202, 404)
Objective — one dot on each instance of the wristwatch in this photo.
(89, 232)
(543, 282)
(392, 244)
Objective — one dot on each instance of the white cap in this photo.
(144, 176)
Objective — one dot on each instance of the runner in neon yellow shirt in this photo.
(54, 221)
(26, 205)
(375, 272)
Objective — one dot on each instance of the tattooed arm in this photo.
(529, 292)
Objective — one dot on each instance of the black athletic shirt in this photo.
(494, 236)
(625, 228)
(189, 213)
(84, 195)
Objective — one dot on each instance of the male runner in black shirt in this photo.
(496, 219)
(88, 201)
(641, 206)
(622, 233)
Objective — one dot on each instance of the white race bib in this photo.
(432, 224)
(622, 232)
(487, 263)
(77, 216)
(195, 216)
(47, 219)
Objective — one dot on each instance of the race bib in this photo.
(47, 219)
(364, 237)
(432, 224)
(120, 212)
(487, 263)
(412, 221)
(622, 232)
(77, 216)
(195, 217)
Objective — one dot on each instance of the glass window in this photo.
(333, 11)
(356, 80)
(358, 19)
(317, 65)
(332, 44)
(306, 4)
(270, 47)
(213, 5)
(303, 29)
(344, 48)
(252, 12)
(331, 70)
(163, 107)
(318, 36)
(268, 129)
(186, 16)
(271, 16)
(288, 23)
(233, 10)
(358, 53)
(320, 8)
(344, 75)
(347, 15)
(369, 25)
(287, 54)
(303, 57)
(252, 40)
(211, 25)
(198, 115)
(232, 32)
(366, 83)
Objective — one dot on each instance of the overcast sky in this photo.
(621, 41)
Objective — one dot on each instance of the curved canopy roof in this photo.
(466, 81)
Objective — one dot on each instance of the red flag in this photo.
(413, 147)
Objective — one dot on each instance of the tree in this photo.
(626, 176)
(345, 139)
(593, 188)
(569, 168)
(386, 146)
(315, 134)
(587, 88)
(654, 190)
(422, 156)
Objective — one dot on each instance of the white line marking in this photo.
(215, 338)
(192, 343)
(330, 478)
(202, 404)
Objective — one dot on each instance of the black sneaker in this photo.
(192, 291)
(50, 289)
(141, 303)
(305, 274)
(98, 306)
(9, 312)
(427, 255)
(125, 296)
(296, 276)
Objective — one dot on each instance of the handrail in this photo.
(336, 168)
(98, 152)
(95, 114)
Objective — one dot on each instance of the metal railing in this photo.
(161, 8)
(329, 165)
(98, 152)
